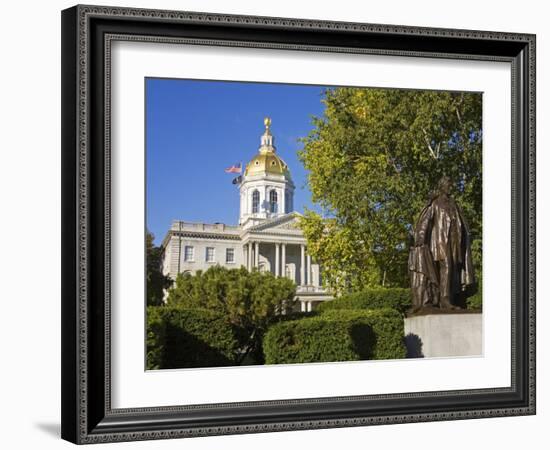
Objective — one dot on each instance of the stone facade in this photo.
(267, 237)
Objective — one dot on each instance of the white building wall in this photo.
(174, 258)
(173, 247)
(199, 250)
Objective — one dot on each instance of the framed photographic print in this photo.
(267, 222)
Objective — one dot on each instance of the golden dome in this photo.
(267, 161)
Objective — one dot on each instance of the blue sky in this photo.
(195, 129)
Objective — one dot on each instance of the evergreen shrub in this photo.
(338, 335)
(184, 338)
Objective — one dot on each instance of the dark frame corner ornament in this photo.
(87, 416)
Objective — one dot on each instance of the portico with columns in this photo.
(278, 246)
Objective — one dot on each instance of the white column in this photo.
(257, 255)
(308, 267)
(277, 259)
(249, 256)
(303, 306)
(308, 306)
(302, 265)
(283, 260)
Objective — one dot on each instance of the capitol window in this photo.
(209, 254)
(230, 255)
(255, 202)
(189, 253)
(273, 201)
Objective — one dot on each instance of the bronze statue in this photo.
(440, 262)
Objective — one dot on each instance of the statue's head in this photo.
(444, 185)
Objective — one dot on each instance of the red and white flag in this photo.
(235, 168)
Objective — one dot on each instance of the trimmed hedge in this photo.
(184, 338)
(397, 298)
(387, 325)
(336, 336)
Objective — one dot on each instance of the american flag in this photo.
(235, 168)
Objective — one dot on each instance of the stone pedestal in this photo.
(444, 335)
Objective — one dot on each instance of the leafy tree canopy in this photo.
(250, 300)
(372, 161)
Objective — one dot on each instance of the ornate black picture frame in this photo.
(87, 415)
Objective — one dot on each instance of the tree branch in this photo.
(460, 102)
(434, 153)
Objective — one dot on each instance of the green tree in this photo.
(156, 280)
(251, 301)
(372, 160)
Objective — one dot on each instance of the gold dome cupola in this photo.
(266, 189)
(267, 161)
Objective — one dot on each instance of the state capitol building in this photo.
(267, 237)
